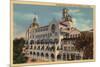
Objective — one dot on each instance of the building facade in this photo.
(53, 42)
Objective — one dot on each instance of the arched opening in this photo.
(37, 53)
(56, 41)
(31, 46)
(30, 41)
(78, 57)
(59, 57)
(52, 57)
(42, 42)
(47, 55)
(42, 48)
(34, 53)
(30, 52)
(38, 48)
(42, 55)
(37, 41)
(34, 47)
(52, 48)
(64, 56)
(46, 41)
(72, 57)
(51, 41)
(67, 56)
(47, 48)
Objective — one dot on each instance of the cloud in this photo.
(74, 22)
(82, 24)
(25, 16)
(75, 10)
(21, 22)
(19, 35)
(72, 12)
(18, 31)
(58, 15)
(85, 27)
(79, 19)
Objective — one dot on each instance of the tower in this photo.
(34, 23)
(66, 16)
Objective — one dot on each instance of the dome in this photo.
(35, 22)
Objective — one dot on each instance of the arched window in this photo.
(33, 36)
(37, 41)
(47, 48)
(31, 47)
(30, 52)
(30, 41)
(73, 35)
(34, 53)
(50, 41)
(58, 48)
(42, 42)
(52, 57)
(78, 57)
(47, 55)
(59, 57)
(42, 48)
(64, 56)
(76, 35)
(72, 57)
(56, 41)
(42, 54)
(34, 47)
(38, 48)
(68, 29)
(53, 48)
(73, 48)
(46, 42)
(70, 36)
(37, 53)
(67, 56)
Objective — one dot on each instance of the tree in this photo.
(18, 57)
(85, 43)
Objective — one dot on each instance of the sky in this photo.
(24, 14)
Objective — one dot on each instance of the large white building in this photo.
(54, 42)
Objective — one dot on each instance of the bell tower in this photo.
(66, 16)
(64, 12)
